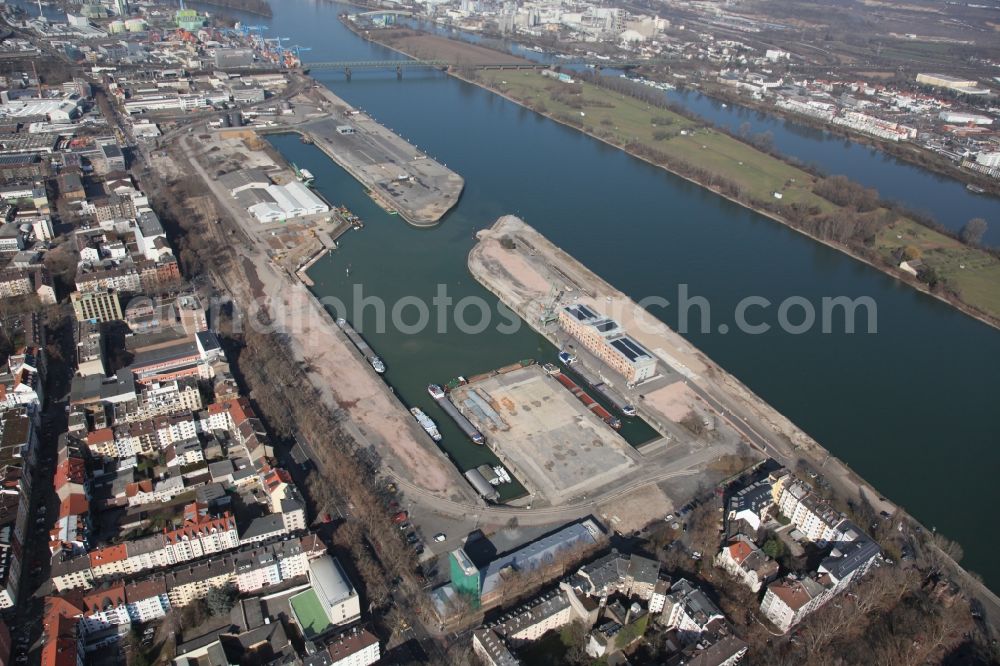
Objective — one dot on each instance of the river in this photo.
(942, 198)
(911, 408)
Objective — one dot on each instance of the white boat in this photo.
(436, 391)
(566, 358)
(426, 423)
(501, 473)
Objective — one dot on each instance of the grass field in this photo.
(622, 120)
(974, 274)
(309, 612)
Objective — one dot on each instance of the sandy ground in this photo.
(637, 509)
(346, 380)
(674, 401)
(355, 387)
(516, 267)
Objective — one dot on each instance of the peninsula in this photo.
(831, 210)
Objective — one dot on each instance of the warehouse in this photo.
(291, 200)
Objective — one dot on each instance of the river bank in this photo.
(904, 151)
(907, 153)
(519, 265)
(991, 318)
(964, 277)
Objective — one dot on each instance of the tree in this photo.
(220, 600)
(574, 637)
(972, 232)
(773, 548)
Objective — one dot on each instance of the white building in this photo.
(741, 559)
(787, 601)
(269, 565)
(358, 647)
(335, 592)
(690, 612)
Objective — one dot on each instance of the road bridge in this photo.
(350, 66)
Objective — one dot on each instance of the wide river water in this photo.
(912, 408)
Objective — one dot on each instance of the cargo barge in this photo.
(588, 402)
(362, 346)
(451, 410)
(625, 408)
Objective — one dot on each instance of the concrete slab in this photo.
(552, 443)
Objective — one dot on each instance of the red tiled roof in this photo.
(100, 436)
(739, 551)
(108, 554)
(98, 600)
(793, 593)
(134, 488)
(204, 525)
(70, 470)
(74, 505)
(59, 626)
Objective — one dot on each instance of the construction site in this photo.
(548, 438)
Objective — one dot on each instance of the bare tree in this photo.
(973, 230)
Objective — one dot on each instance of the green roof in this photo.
(309, 613)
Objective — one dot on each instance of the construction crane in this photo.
(293, 55)
(255, 32)
(275, 43)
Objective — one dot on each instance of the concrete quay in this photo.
(535, 278)
(399, 176)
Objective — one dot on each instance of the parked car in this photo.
(411, 537)
(400, 517)
(405, 526)
(440, 536)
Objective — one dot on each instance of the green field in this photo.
(623, 120)
(972, 273)
(309, 613)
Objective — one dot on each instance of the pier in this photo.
(366, 351)
(463, 423)
(400, 177)
(328, 242)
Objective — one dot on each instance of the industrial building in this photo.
(486, 586)
(291, 200)
(966, 86)
(608, 341)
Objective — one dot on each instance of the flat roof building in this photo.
(608, 341)
(99, 306)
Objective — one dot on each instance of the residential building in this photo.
(787, 601)
(690, 612)
(98, 306)
(269, 564)
(188, 583)
(741, 559)
(358, 647)
(491, 649)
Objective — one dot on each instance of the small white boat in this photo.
(426, 423)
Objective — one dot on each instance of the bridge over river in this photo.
(349, 66)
